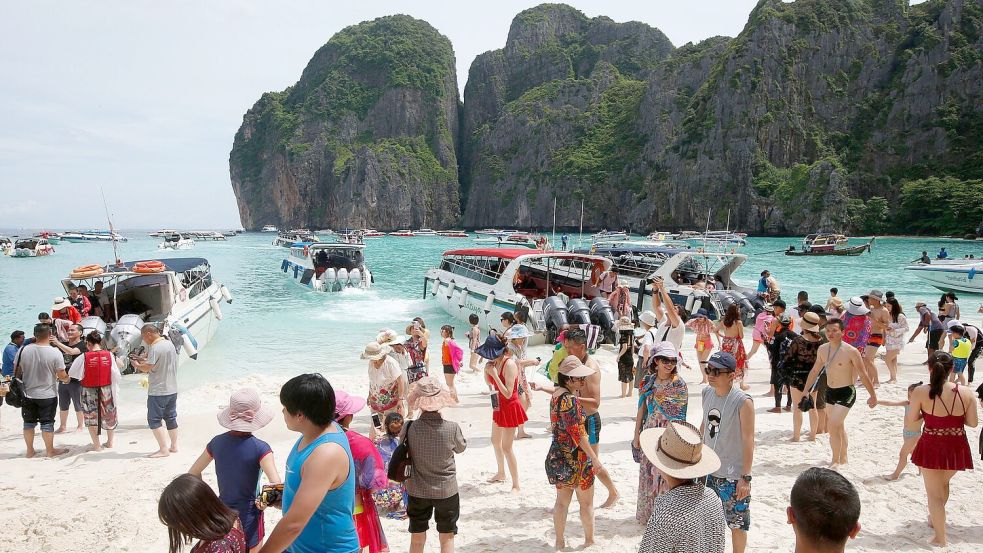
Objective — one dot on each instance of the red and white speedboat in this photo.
(372, 233)
(491, 281)
(403, 233)
(452, 233)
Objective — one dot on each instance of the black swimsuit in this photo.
(845, 396)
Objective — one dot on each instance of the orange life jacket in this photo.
(98, 369)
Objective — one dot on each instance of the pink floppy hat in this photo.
(246, 412)
(346, 404)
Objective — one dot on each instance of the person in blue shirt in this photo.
(943, 254)
(10, 352)
(763, 283)
(319, 487)
(564, 240)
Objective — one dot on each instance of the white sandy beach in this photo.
(107, 501)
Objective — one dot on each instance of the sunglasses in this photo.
(578, 378)
(667, 360)
(714, 371)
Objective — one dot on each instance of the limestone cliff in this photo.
(814, 107)
(365, 138)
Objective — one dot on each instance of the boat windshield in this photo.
(539, 278)
(476, 267)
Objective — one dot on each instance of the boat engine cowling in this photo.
(554, 316)
(355, 276)
(126, 333)
(93, 323)
(602, 315)
(578, 312)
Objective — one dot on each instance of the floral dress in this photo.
(568, 466)
(896, 332)
(418, 360)
(663, 403)
(703, 328)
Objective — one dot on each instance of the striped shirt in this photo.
(686, 519)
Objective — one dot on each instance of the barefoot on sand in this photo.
(58, 451)
(158, 454)
(612, 499)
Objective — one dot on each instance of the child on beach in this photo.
(191, 511)
(626, 355)
(474, 340)
(960, 347)
(911, 433)
(761, 324)
(451, 357)
(391, 500)
(239, 456)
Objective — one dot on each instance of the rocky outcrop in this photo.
(365, 138)
(816, 107)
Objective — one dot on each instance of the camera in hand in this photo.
(271, 494)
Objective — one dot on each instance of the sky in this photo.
(142, 98)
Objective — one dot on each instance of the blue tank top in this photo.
(331, 528)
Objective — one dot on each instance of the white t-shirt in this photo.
(648, 340)
(675, 334)
(386, 374)
(77, 371)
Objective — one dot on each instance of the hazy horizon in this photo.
(143, 98)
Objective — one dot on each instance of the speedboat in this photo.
(495, 232)
(161, 233)
(405, 233)
(826, 244)
(6, 245)
(452, 233)
(372, 233)
(609, 236)
(92, 236)
(659, 236)
(32, 247)
(53, 238)
(965, 277)
(328, 267)
(425, 232)
(207, 235)
(269, 228)
(694, 279)
(178, 295)
(520, 240)
(286, 238)
(491, 281)
(176, 241)
(719, 238)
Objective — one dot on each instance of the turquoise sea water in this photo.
(276, 326)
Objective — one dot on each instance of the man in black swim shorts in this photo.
(845, 396)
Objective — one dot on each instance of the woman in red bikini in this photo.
(943, 449)
(502, 373)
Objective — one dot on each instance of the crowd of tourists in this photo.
(694, 478)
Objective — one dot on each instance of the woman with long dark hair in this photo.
(191, 511)
(730, 332)
(943, 449)
(895, 339)
(502, 373)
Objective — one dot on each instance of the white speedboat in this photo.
(32, 247)
(425, 232)
(92, 236)
(287, 238)
(207, 235)
(176, 241)
(269, 228)
(328, 267)
(965, 277)
(161, 233)
(694, 279)
(520, 240)
(405, 233)
(609, 236)
(716, 238)
(179, 295)
(372, 233)
(452, 233)
(490, 282)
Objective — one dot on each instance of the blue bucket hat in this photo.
(493, 348)
(517, 331)
(723, 360)
(701, 314)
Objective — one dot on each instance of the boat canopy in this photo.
(176, 264)
(513, 253)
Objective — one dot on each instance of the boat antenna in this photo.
(581, 221)
(554, 229)
(112, 231)
(707, 231)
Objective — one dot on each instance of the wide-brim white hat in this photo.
(648, 317)
(856, 306)
(374, 351)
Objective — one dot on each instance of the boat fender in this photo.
(436, 285)
(226, 295)
(215, 308)
(971, 274)
(450, 289)
(190, 344)
(296, 270)
(343, 277)
(489, 302)
(284, 265)
(464, 297)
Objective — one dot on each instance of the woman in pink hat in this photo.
(239, 456)
(370, 475)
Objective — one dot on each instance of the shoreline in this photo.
(108, 500)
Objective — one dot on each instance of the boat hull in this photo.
(853, 250)
(197, 315)
(298, 272)
(965, 279)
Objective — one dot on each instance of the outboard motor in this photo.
(343, 278)
(602, 315)
(578, 312)
(93, 323)
(748, 312)
(126, 335)
(355, 276)
(555, 316)
(724, 300)
(755, 301)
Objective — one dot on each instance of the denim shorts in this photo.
(35, 411)
(162, 408)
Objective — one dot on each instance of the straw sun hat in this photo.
(60, 303)
(678, 451)
(374, 352)
(574, 368)
(246, 412)
(429, 394)
(388, 337)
